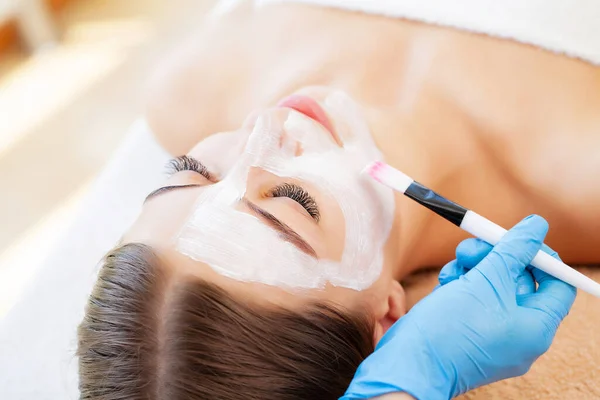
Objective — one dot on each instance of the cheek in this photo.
(221, 151)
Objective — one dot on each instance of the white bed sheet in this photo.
(38, 335)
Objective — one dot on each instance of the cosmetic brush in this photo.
(474, 223)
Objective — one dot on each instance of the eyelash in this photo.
(299, 195)
(187, 163)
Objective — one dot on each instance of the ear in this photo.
(392, 311)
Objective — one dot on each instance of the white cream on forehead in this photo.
(237, 245)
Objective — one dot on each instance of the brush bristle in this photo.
(389, 176)
(373, 169)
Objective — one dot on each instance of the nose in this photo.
(311, 135)
(285, 133)
(289, 146)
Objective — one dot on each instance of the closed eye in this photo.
(187, 163)
(299, 195)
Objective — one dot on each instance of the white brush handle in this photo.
(491, 233)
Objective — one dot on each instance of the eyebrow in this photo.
(166, 189)
(286, 233)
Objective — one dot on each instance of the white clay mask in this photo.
(238, 245)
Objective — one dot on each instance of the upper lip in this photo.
(310, 108)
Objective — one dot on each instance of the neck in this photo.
(431, 151)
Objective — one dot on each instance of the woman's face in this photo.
(281, 206)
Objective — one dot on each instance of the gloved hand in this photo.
(484, 323)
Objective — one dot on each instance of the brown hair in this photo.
(144, 337)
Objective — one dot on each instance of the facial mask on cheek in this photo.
(238, 245)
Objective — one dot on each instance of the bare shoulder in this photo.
(536, 130)
(538, 119)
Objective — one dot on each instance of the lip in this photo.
(310, 108)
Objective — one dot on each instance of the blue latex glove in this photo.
(484, 323)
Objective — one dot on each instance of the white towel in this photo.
(38, 336)
(569, 27)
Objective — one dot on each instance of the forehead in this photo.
(182, 268)
(235, 244)
(161, 220)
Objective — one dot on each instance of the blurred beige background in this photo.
(64, 110)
